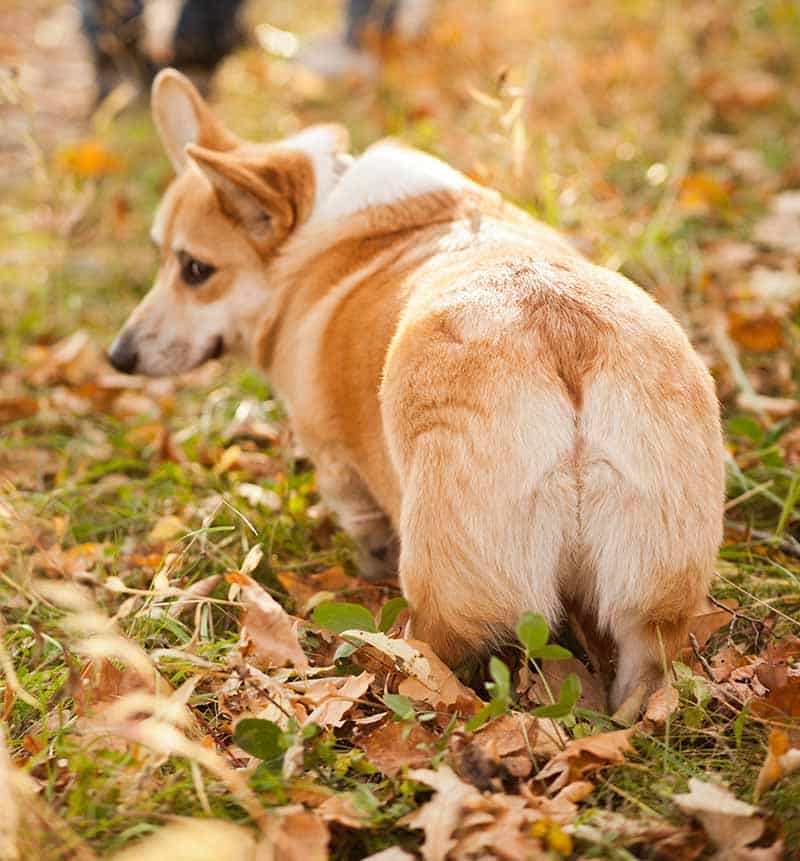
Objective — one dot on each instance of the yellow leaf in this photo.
(167, 528)
(759, 334)
(89, 158)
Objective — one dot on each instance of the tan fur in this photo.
(532, 430)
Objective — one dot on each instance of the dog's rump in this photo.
(534, 459)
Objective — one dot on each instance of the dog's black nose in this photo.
(123, 354)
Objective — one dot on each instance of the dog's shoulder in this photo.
(388, 173)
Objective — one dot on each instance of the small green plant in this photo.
(340, 616)
(499, 690)
(264, 740)
(534, 632)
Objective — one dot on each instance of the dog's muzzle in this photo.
(123, 354)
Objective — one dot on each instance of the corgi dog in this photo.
(502, 423)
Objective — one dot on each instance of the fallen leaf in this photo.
(89, 158)
(300, 836)
(342, 809)
(334, 698)
(166, 529)
(302, 588)
(701, 192)
(758, 333)
(781, 760)
(730, 823)
(662, 704)
(431, 681)
(195, 594)
(746, 90)
(394, 746)
(583, 755)
(563, 807)
(782, 703)
(500, 826)
(708, 622)
(268, 634)
(440, 816)
(101, 682)
(593, 691)
(15, 407)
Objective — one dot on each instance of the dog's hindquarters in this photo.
(555, 454)
(489, 497)
(651, 505)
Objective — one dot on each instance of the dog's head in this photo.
(230, 209)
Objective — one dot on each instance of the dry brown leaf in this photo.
(28, 468)
(433, 682)
(342, 809)
(268, 633)
(508, 742)
(731, 824)
(563, 807)
(194, 595)
(727, 659)
(194, 840)
(781, 760)
(167, 528)
(440, 816)
(710, 620)
(746, 90)
(334, 698)
(667, 840)
(395, 746)
(583, 755)
(662, 704)
(15, 407)
(101, 682)
(299, 836)
(500, 826)
(302, 588)
(758, 333)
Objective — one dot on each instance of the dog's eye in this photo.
(194, 272)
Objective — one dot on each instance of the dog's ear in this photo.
(266, 196)
(182, 117)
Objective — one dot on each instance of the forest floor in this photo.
(173, 593)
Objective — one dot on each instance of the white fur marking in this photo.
(319, 144)
(386, 173)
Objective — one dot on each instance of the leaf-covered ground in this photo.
(167, 573)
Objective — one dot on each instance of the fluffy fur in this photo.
(530, 430)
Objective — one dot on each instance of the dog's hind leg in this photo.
(488, 507)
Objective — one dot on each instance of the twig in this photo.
(703, 662)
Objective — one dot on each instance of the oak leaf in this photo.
(268, 633)
(731, 824)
